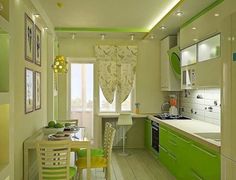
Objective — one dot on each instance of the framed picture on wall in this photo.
(37, 47)
(29, 90)
(29, 39)
(37, 90)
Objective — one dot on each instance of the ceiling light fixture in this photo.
(60, 65)
(163, 14)
(194, 28)
(152, 36)
(216, 14)
(73, 36)
(162, 28)
(102, 36)
(179, 13)
(195, 40)
(45, 28)
(131, 37)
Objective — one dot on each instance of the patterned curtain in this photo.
(116, 69)
(107, 76)
(126, 68)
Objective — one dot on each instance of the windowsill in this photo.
(115, 115)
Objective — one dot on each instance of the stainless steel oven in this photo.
(155, 136)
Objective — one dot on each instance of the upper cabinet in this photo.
(170, 65)
(189, 55)
(209, 48)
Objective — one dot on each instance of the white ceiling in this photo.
(132, 16)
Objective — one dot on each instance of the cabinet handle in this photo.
(196, 175)
(172, 156)
(162, 148)
(183, 140)
(210, 154)
(173, 142)
(162, 128)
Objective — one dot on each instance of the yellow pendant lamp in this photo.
(60, 65)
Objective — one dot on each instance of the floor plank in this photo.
(139, 165)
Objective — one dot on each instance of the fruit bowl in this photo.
(47, 130)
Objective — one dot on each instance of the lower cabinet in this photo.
(147, 140)
(186, 159)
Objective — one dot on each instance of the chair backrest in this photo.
(109, 142)
(53, 159)
(107, 124)
(71, 121)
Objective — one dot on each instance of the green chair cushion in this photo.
(94, 153)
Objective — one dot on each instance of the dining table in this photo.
(77, 139)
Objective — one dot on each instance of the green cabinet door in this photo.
(148, 134)
(204, 162)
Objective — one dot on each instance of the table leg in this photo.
(88, 163)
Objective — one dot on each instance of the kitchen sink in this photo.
(210, 135)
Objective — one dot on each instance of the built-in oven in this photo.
(155, 136)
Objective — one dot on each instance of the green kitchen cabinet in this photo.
(205, 163)
(148, 129)
(186, 159)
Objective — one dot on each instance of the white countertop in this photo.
(115, 115)
(190, 127)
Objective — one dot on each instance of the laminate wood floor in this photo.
(139, 165)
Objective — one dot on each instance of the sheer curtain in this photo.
(81, 106)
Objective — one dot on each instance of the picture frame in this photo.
(29, 39)
(29, 90)
(37, 76)
(37, 45)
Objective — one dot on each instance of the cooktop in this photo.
(170, 117)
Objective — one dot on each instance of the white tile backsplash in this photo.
(201, 104)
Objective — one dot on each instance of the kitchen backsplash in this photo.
(201, 104)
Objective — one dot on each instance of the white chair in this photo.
(54, 160)
(124, 120)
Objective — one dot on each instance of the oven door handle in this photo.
(155, 128)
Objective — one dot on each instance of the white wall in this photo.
(24, 125)
(147, 76)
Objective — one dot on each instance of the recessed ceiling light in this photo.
(194, 28)
(216, 14)
(162, 28)
(152, 36)
(36, 15)
(179, 13)
(195, 39)
(102, 36)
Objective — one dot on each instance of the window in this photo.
(105, 106)
(81, 94)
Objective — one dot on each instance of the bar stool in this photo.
(124, 121)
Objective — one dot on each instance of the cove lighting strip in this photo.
(163, 14)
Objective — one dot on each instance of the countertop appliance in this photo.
(155, 136)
